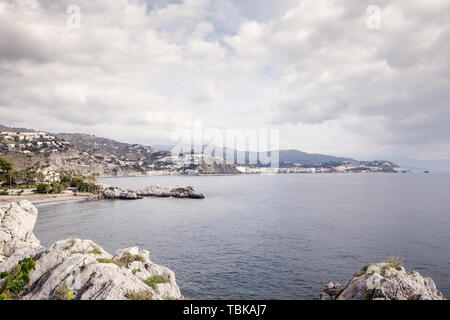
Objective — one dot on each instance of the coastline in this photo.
(37, 199)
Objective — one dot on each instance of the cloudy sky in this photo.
(137, 70)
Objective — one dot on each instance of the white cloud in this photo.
(137, 70)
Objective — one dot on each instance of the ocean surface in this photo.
(271, 236)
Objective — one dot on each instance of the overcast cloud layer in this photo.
(137, 70)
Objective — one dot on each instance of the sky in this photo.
(319, 71)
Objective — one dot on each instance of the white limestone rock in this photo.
(78, 269)
(170, 191)
(17, 240)
(117, 193)
(384, 281)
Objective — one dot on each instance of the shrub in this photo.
(63, 293)
(43, 188)
(123, 261)
(56, 187)
(128, 258)
(153, 281)
(104, 260)
(4, 193)
(139, 295)
(395, 263)
(17, 278)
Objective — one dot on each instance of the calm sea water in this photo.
(271, 237)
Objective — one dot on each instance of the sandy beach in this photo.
(45, 198)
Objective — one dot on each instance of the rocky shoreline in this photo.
(73, 269)
(109, 193)
(383, 281)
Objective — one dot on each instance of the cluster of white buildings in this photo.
(25, 142)
(30, 136)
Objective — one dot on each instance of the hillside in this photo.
(78, 153)
(86, 154)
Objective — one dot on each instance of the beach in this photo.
(45, 198)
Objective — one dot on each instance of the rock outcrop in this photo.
(161, 191)
(16, 232)
(170, 191)
(74, 268)
(383, 281)
(116, 193)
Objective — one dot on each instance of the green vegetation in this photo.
(104, 260)
(95, 251)
(70, 245)
(6, 171)
(17, 179)
(43, 188)
(54, 188)
(63, 293)
(395, 263)
(139, 295)
(153, 281)
(70, 295)
(16, 279)
(4, 193)
(80, 184)
(127, 258)
(123, 261)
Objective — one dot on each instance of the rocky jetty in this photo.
(161, 191)
(383, 281)
(170, 191)
(73, 268)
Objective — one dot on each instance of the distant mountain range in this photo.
(85, 154)
(286, 157)
(11, 129)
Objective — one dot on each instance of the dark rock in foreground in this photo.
(383, 281)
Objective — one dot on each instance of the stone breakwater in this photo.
(73, 268)
(383, 281)
(161, 191)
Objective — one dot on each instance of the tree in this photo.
(5, 165)
(31, 176)
(6, 170)
(43, 188)
(57, 187)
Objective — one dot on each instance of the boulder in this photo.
(83, 270)
(383, 281)
(17, 240)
